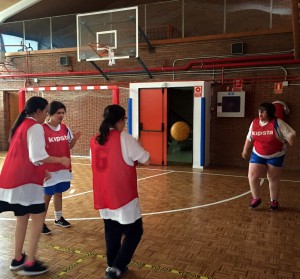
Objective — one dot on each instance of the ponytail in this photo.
(104, 131)
(17, 123)
(112, 114)
(32, 105)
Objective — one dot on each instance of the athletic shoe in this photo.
(62, 222)
(112, 273)
(274, 205)
(46, 230)
(36, 269)
(255, 203)
(17, 264)
(107, 269)
(122, 272)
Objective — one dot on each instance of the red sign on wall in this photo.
(278, 88)
(198, 91)
(237, 85)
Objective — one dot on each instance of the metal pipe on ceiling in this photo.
(206, 63)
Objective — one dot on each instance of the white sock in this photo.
(57, 215)
(118, 271)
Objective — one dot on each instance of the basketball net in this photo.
(111, 56)
(104, 51)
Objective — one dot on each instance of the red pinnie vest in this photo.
(17, 169)
(264, 137)
(57, 145)
(114, 182)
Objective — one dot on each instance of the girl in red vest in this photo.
(59, 141)
(21, 182)
(114, 155)
(268, 135)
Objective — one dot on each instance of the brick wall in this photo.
(84, 109)
(84, 112)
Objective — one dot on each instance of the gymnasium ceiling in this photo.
(47, 8)
(17, 10)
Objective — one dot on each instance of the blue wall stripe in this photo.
(202, 132)
(129, 111)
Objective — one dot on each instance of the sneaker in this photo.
(107, 269)
(46, 230)
(17, 264)
(36, 269)
(255, 203)
(122, 272)
(112, 273)
(62, 222)
(274, 205)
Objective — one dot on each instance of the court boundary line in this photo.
(193, 172)
(166, 171)
(158, 212)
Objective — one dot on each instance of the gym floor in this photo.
(197, 224)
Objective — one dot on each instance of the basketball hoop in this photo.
(104, 51)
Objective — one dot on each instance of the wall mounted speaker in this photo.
(237, 48)
(64, 61)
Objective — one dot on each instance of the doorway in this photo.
(13, 107)
(154, 108)
(180, 110)
(11, 112)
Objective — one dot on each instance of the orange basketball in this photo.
(180, 131)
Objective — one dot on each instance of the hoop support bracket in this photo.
(99, 69)
(151, 48)
(144, 66)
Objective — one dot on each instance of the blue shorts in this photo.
(57, 188)
(276, 162)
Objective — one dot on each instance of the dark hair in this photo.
(269, 108)
(55, 106)
(32, 105)
(112, 114)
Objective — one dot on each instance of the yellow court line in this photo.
(99, 256)
(86, 255)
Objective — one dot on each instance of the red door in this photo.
(153, 127)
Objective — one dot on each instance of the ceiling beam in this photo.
(16, 8)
